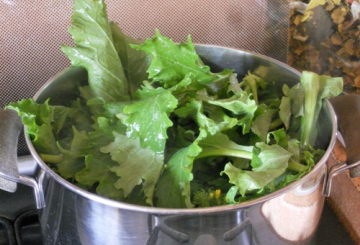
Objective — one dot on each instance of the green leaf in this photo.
(60, 115)
(316, 88)
(173, 189)
(280, 138)
(136, 165)
(95, 50)
(248, 181)
(72, 159)
(79, 116)
(294, 149)
(231, 194)
(149, 117)
(261, 125)
(296, 95)
(330, 86)
(106, 187)
(172, 62)
(194, 109)
(220, 145)
(234, 85)
(251, 84)
(135, 62)
(270, 157)
(96, 169)
(93, 102)
(38, 119)
(285, 111)
(97, 164)
(242, 106)
(219, 117)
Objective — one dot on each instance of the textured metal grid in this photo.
(31, 32)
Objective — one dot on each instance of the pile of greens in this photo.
(155, 126)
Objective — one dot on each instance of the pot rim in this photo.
(158, 210)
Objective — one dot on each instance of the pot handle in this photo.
(10, 128)
(347, 110)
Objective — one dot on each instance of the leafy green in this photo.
(95, 50)
(137, 166)
(251, 84)
(195, 110)
(135, 63)
(171, 64)
(316, 88)
(173, 189)
(249, 181)
(270, 157)
(220, 145)
(71, 160)
(97, 164)
(149, 117)
(38, 119)
(262, 123)
(268, 163)
(241, 105)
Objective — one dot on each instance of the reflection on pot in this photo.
(115, 227)
(212, 229)
(294, 216)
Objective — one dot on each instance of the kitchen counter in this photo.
(331, 231)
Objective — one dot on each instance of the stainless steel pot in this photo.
(70, 215)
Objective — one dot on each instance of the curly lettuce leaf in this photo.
(148, 118)
(71, 160)
(95, 51)
(106, 187)
(136, 165)
(268, 163)
(268, 157)
(242, 106)
(134, 62)
(263, 118)
(38, 119)
(173, 189)
(81, 157)
(292, 105)
(172, 62)
(251, 84)
(194, 109)
(248, 181)
(97, 164)
(279, 137)
(285, 111)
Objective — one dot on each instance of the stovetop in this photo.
(19, 224)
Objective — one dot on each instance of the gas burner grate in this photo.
(7, 234)
(27, 229)
(24, 231)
